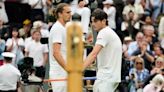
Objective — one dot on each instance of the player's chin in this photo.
(94, 28)
(68, 20)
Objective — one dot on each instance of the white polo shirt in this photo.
(9, 76)
(110, 57)
(137, 9)
(57, 35)
(36, 51)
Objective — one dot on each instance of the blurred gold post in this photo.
(74, 57)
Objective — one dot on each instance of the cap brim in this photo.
(8, 54)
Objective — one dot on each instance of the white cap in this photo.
(8, 54)
(127, 38)
(108, 2)
(37, 24)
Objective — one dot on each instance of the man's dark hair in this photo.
(8, 59)
(60, 8)
(99, 14)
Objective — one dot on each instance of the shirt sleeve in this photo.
(21, 42)
(125, 10)
(101, 39)
(57, 36)
(45, 48)
(8, 42)
(2, 46)
(140, 9)
(132, 72)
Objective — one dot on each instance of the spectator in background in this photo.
(147, 20)
(130, 27)
(4, 30)
(74, 4)
(145, 54)
(100, 3)
(2, 49)
(147, 6)
(110, 10)
(25, 31)
(159, 65)
(136, 8)
(15, 44)
(134, 45)
(3, 14)
(161, 32)
(39, 53)
(148, 30)
(126, 63)
(42, 27)
(156, 7)
(119, 5)
(155, 85)
(78, 6)
(50, 12)
(149, 33)
(126, 42)
(138, 74)
(37, 9)
(28, 40)
(158, 50)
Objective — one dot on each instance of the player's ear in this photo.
(104, 21)
(59, 14)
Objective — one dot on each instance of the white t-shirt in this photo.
(45, 33)
(137, 9)
(124, 25)
(84, 12)
(38, 3)
(3, 14)
(111, 12)
(110, 57)
(9, 77)
(74, 3)
(36, 51)
(16, 49)
(28, 41)
(57, 35)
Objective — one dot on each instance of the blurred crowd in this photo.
(139, 24)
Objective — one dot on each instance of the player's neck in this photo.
(62, 22)
(104, 26)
